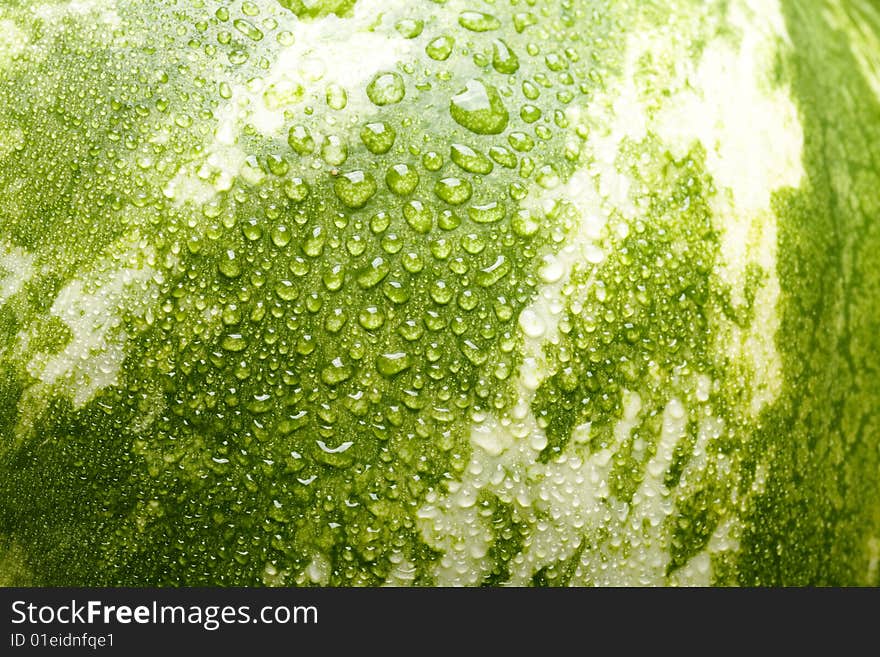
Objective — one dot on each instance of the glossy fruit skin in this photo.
(547, 293)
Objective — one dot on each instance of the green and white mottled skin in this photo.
(342, 293)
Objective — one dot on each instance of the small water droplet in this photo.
(371, 318)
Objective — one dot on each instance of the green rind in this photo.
(815, 523)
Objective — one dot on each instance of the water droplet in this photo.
(453, 190)
(411, 330)
(277, 165)
(504, 60)
(286, 290)
(374, 273)
(248, 29)
(313, 246)
(392, 364)
(409, 28)
(547, 177)
(448, 220)
(532, 324)
(474, 353)
(234, 342)
(478, 21)
(432, 161)
(336, 372)
(503, 156)
(487, 213)
(520, 141)
(523, 20)
(473, 243)
(418, 216)
(296, 189)
(379, 222)
(530, 113)
(231, 314)
(336, 97)
(524, 224)
(553, 269)
(467, 300)
(333, 278)
(371, 318)
(440, 292)
(334, 151)
(229, 265)
(479, 108)
(555, 62)
(251, 229)
(412, 262)
(335, 320)
(300, 140)
(280, 236)
(355, 188)
(386, 89)
(396, 292)
(402, 179)
(470, 160)
(440, 48)
(378, 137)
(495, 272)
(441, 248)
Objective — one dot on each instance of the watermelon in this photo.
(439, 293)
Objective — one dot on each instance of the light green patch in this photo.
(16, 269)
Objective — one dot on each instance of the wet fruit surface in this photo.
(312, 293)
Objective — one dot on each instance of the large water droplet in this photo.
(334, 151)
(470, 160)
(478, 21)
(418, 216)
(336, 372)
(378, 137)
(386, 89)
(487, 213)
(402, 179)
(300, 140)
(440, 48)
(355, 188)
(409, 28)
(479, 108)
(453, 190)
(394, 363)
(504, 60)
